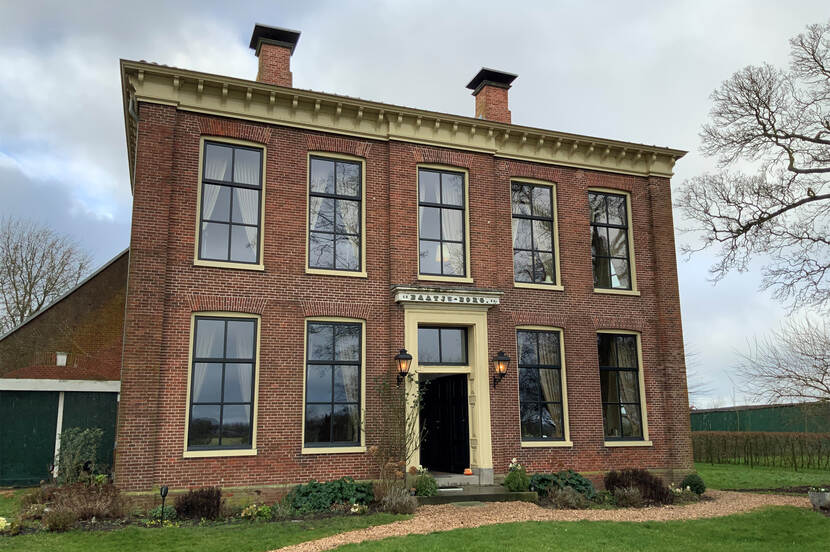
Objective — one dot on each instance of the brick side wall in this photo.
(87, 324)
(165, 289)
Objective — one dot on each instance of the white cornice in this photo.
(256, 101)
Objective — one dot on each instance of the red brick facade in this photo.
(87, 324)
(165, 288)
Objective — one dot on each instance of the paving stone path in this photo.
(429, 519)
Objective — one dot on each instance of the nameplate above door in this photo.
(437, 296)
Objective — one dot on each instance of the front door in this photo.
(444, 424)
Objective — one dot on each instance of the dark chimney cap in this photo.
(501, 79)
(274, 35)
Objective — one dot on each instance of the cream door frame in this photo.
(477, 370)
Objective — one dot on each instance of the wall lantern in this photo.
(500, 363)
(402, 361)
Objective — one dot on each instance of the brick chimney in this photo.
(490, 89)
(274, 46)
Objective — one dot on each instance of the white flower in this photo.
(3, 524)
(513, 461)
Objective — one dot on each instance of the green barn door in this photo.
(27, 436)
(88, 410)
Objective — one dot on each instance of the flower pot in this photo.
(820, 500)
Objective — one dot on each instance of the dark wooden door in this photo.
(446, 444)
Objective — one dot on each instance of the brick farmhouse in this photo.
(288, 244)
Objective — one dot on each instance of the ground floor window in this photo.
(620, 386)
(222, 383)
(332, 394)
(540, 385)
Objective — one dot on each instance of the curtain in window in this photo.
(550, 386)
(247, 203)
(210, 194)
(246, 167)
(451, 225)
(216, 167)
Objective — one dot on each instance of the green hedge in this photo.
(755, 448)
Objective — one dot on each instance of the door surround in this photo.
(474, 317)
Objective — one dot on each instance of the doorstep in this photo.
(481, 493)
(455, 479)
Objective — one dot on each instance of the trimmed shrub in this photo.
(628, 497)
(59, 519)
(695, 483)
(202, 503)
(652, 489)
(319, 497)
(517, 480)
(568, 499)
(155, 513)
(398, 501)
(78, 453)
(545, 483)
(425, 485)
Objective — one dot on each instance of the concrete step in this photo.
(456, 480)
(483, 493)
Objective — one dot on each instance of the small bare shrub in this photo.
(41, 495)
(87, 500)
(398, 501)
(202, 503)
(59, 519)
(568, 499)
(628, 497)
(34, 511)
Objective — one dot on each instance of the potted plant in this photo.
(820, 498)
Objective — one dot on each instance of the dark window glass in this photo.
(533, 227)
(230, 228)
(441, 223)
(332, 394)
(540, 386)
(222, 383)
(334, 213)
(442, 346)
(609, 240)
(620, 386)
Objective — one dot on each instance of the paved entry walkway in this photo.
(445, 517)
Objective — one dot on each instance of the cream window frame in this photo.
(254, 400)
(557, 286)
(564, 381)
(467, 278)
(645, 441)
(634, 291)
(230, 264)
(362, 422)
(362, 273)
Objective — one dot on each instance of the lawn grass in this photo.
(780, 528)
(236, 537)
(729, 476)
(10, 502)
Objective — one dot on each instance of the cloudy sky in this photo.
(637, 71)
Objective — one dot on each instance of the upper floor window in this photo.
(540, 386)
(441, 223)
(333, 383)
(222, 383)
(620, 386)
(334, 220)
(533, 233)
(610, 240)
(231, 199)
(442, 346)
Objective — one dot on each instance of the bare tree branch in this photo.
(780, 121)
(792, 364)
(37, 266)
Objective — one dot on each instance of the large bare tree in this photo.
(770, 133)
(37, 265)
(791, 364)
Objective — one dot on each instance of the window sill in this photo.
(458, 279)
(333, 450)
(628, 444)
(631, 292)
(226, 264)
(547, 287)
(547, 444)
(326, 272)
(218, 453)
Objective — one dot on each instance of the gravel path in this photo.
(429, 519)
